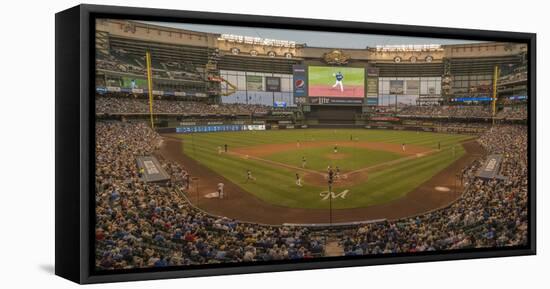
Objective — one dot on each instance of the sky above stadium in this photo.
(315, 38)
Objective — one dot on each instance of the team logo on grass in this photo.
(325, 195)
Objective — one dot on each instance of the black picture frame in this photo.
(75, 139)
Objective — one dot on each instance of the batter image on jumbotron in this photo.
(329, 81)
(222, 144)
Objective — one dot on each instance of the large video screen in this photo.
(329, 81)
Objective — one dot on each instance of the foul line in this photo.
(392, 162)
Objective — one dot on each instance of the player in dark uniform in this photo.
(339, 78)
(330, 176)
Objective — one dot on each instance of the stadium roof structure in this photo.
(269, 55)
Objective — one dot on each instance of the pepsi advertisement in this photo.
(300, 83)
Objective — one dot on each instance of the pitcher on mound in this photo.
(339, 78)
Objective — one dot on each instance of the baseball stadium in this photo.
(216, 147)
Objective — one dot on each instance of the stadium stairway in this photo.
(333, 248)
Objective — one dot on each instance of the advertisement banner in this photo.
(100, 89)
(300, 100)
(300, 81)
(413, 87)
(272, 83)
(254, 82)
(396, 86)
(113, 89)
(279, 104)
(343, 101)
(218, 128)
(372, 100)
(472, 99)
(254, 127)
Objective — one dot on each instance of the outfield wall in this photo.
(235, 128)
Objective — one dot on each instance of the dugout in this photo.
(151, 170)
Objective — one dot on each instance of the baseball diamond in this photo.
(383, 182)
(213, 148)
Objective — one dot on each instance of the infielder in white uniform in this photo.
(221, 193)
(298, 180)
(249, 176)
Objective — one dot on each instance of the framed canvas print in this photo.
(193, 144)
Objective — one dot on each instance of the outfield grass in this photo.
(277, 184)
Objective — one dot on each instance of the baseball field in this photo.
(374, 167)
(322, 79)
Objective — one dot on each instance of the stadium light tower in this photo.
(494, 100)
(150, 85)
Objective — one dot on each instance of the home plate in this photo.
(212, 195)
(442, 189)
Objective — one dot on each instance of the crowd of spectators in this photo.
(139, 224)
(513, 112)
(490, 213)
(519, 74)
(119, 105)
(121, 61)
(463, 111)
(145, 225)
(447, 111)
(463, 127)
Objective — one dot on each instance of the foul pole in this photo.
(494, 102)
(150, 85)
